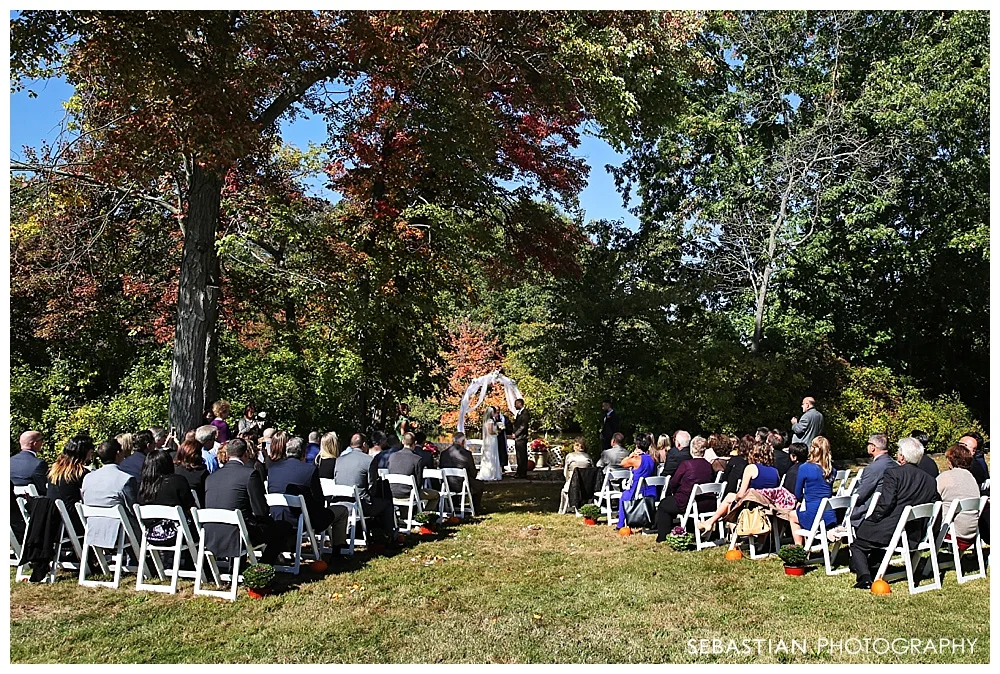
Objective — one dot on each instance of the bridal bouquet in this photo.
(679, 539)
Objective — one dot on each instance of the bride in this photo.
(489, 466)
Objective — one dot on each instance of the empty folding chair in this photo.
(693, 513)
(126, 536)
(203, 516)
(465, 506)
(611, 492)
(303, 529)
(348, 497)
(182, 541)
(900, 544)
(411, 502)
(948, 537)
(840, 479)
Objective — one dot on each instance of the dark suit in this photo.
(237, 486)
(782, 461)
(904, 486)
(675, 457)
(354, 468)
(928, 465)
(408, 462)
(502, 423)
(609, 426)
(869, 483)
(301, 478)
(457, 456)
(521, 422)
(26, 468)
(132, 464)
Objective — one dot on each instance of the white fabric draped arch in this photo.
(480, 387)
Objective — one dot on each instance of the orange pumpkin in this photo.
(625, 531)
(880, 587)
(734, 554)
(318, 566)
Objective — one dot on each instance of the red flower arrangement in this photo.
(538, 445)
(431, 447)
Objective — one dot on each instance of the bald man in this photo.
(810, 425)
(25, 466)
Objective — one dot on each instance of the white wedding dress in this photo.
(489, 466)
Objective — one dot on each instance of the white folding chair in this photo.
(465, 506)
(947, 536)
(125, 536)
(15, 548)
(841, 477)
(817, 536)
(611, 493)
(66, 534)
(203, 516)
(348, 497)
(197, 501)
(183, 541)
(303, 529)
(16, 544)
(475, 447)
(383, 473)
(692, 512)
(853, 484)
(411, 503)
(659, 482)
(27, 490)
(900, 544)
(718, 476)
(443, 503)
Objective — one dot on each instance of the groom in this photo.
(521, 420)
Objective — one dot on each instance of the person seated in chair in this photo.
(457, 456)
(237, 486)
(675, 502)
(642, 465)
(612, 458)
(297, 477)
(25, 466)
(680, 453)
(356, 468)
(578, 458)
(407, 462)
(107, 487)
(958, 484)
(901, 487)
(758, 475)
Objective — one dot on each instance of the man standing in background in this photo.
(609, 425)
(809, 425)
(521, 420)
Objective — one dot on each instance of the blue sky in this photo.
(33, 120)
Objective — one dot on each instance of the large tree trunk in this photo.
(192, 381)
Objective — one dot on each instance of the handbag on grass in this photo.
(640, 513)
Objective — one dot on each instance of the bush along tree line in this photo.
(811, 189)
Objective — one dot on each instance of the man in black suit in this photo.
(901, 487)
(927, 464)
(297, 477)
(25, 466)
(457, 456)
(678, 454)
(502, 424)
(408, 462)
(141, 444)
(609, 425)
(522, 417)
(237, 486)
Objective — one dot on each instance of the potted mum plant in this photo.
(794, 557)
(258, 579)
(428, 523)
(590, 514)
(539, 448)
(679, 539)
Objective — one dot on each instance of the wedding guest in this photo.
(25, 466)
(189, 463)
(276, 449)
(312, 449)
(679, 489)
(326, 460)
(957, 484)
(161, 485)
(782, 460)
(457, 456)
(759, 474)
(872, 476)
(927, 464)
(680, 453)
(798, 453)
(220, 412)
(813, 483)
(142, 443)
(642, 465)
(65, 478)
(718, 451)
(613, 457)
(206, 435)
(733, 472)
(663, 446)
(107, 487)
(406, 462)
(356, 468)
(127, 442)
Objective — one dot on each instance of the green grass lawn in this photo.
(522, 585)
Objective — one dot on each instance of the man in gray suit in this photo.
(355, 468)
(809, 425)
(107, 487)
(871, 478)
(612, 458)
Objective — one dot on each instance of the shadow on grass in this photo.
(539, 496)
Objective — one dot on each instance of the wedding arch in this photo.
(481, 386)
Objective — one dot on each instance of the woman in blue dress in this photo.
(642, 465)
(813, 483)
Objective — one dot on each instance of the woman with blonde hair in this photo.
(329, 450)
(663, 445)
(127, 441)
(813, 483)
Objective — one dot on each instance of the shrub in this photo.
(793, 555)
(426, 518)
(259, 576)
(590, 511)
